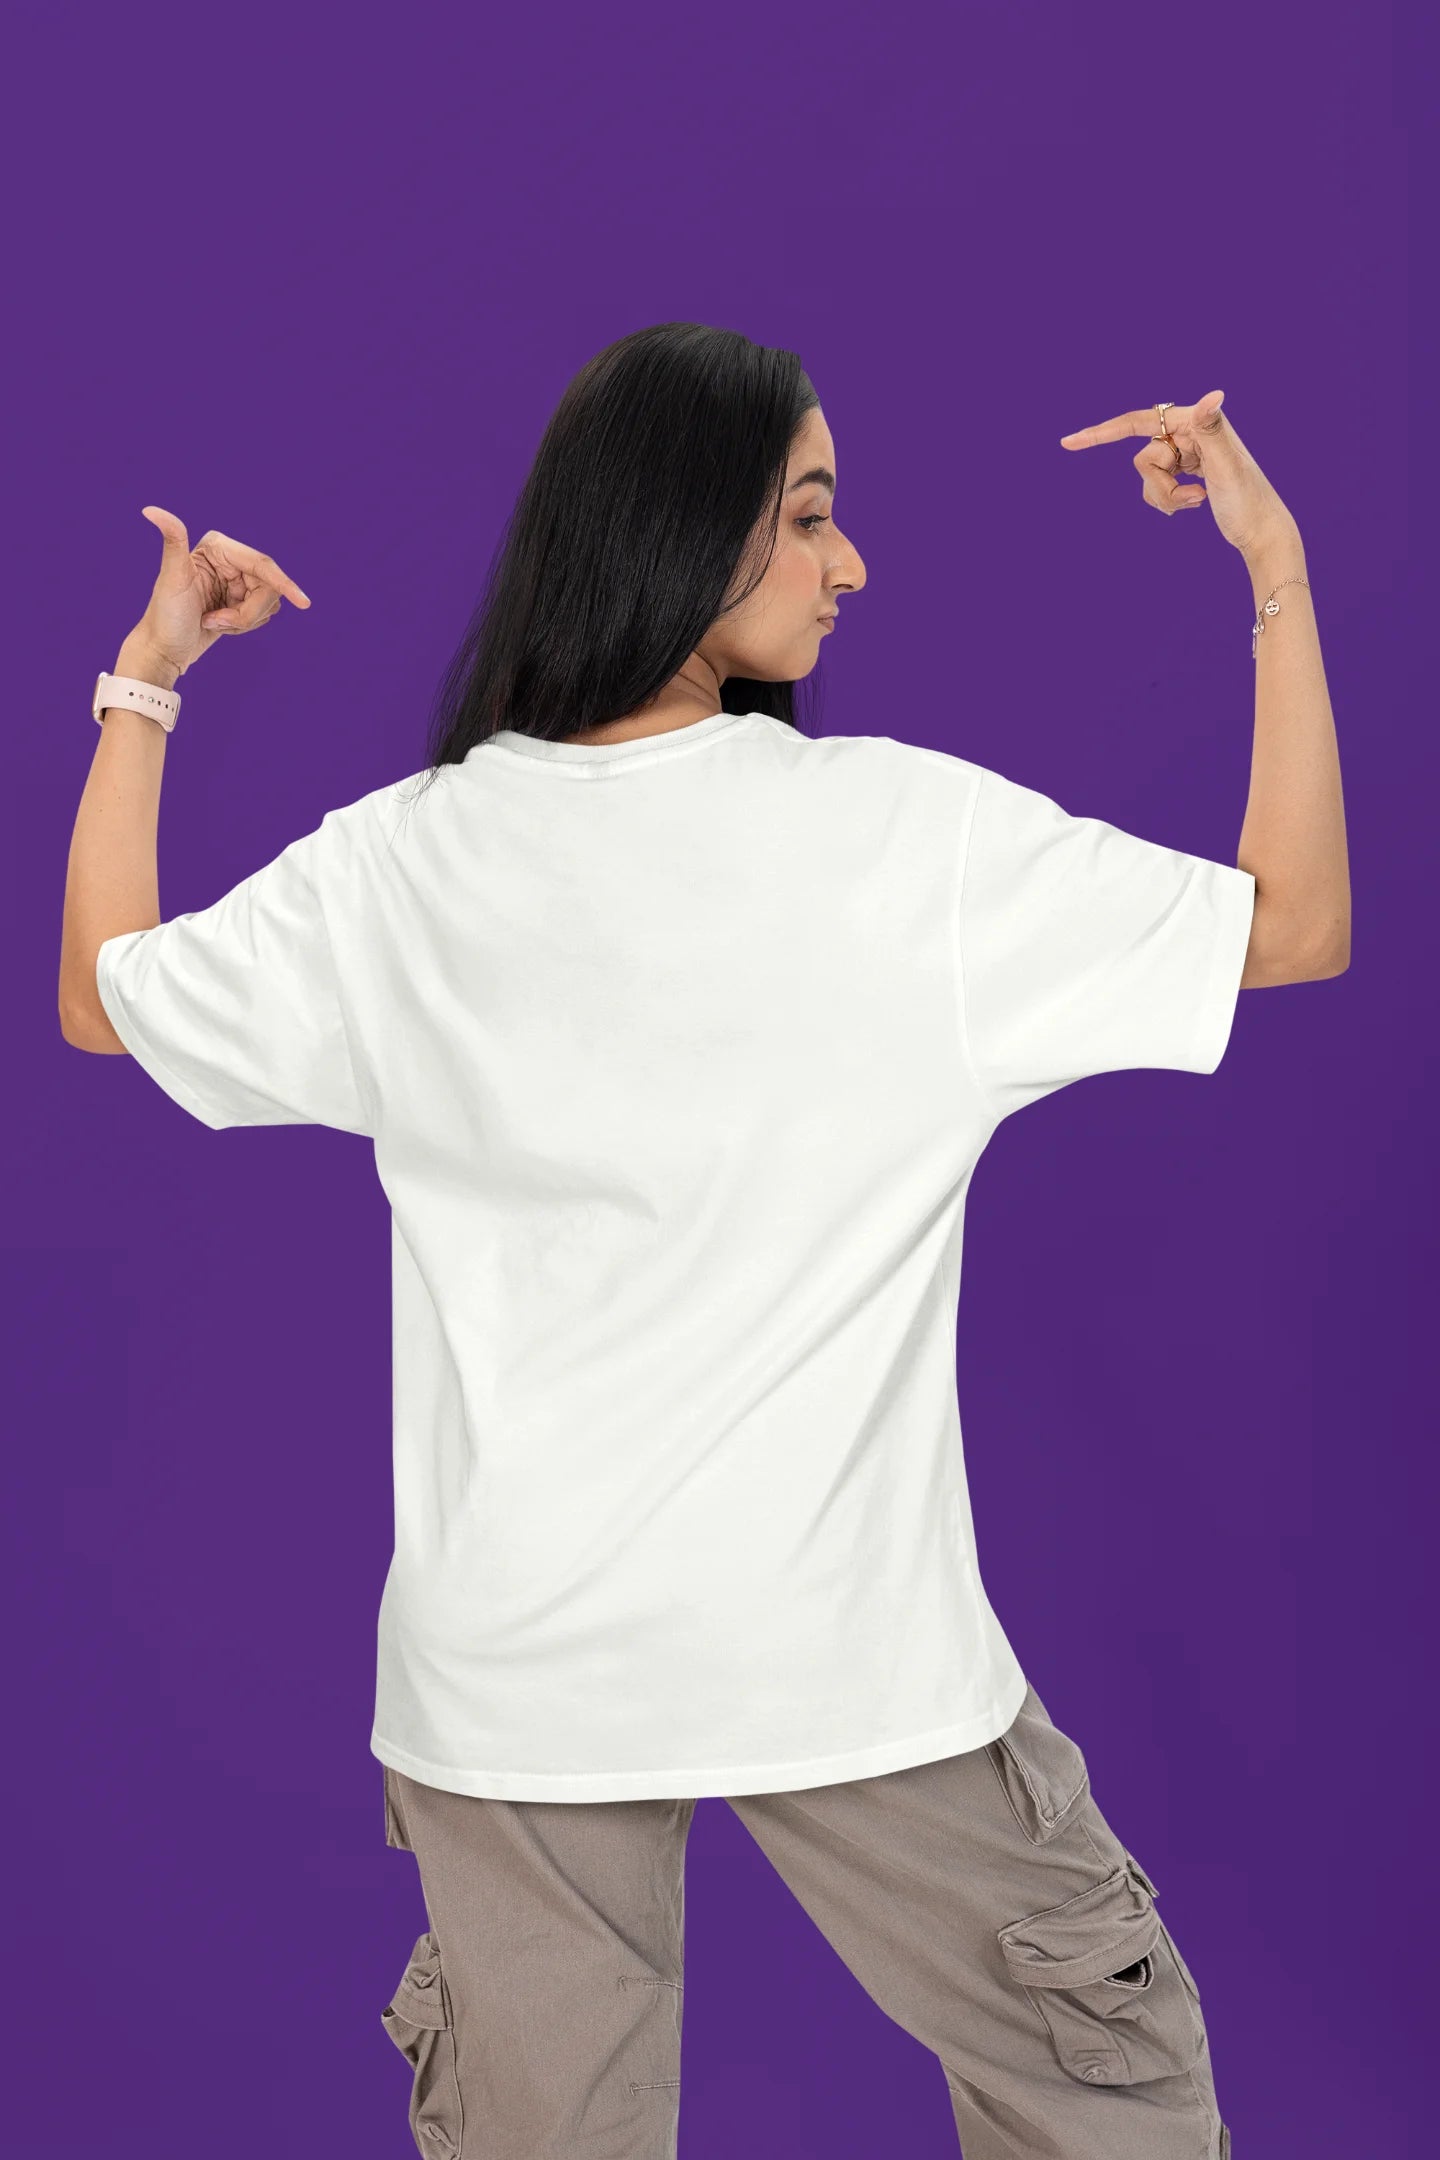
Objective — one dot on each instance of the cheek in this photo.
(800, 580)
(783, 611)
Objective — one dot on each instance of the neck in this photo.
(687, 698)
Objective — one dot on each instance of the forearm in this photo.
(112, 879)
(1293, 836)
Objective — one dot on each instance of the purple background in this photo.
(321, 285)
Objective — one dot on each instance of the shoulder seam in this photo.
(957, 929)
(369, 1111)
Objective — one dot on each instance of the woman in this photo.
(678, 1034)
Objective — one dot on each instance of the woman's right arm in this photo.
(1293, 837)
(1292, 841)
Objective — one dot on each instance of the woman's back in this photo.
(678, 1053)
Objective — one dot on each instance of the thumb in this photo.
(1207, 418)
(172, 532)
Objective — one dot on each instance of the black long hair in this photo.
(660, 461)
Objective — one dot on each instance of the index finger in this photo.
(269, 570)
(283, 584)
(1117, 430)
(262, 567)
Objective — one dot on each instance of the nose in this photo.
(851, 576)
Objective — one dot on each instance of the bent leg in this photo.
(986, 1905)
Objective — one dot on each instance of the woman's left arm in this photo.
(112, 880)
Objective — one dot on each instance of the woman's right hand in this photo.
(1247, 509)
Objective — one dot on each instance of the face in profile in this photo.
(776, 635)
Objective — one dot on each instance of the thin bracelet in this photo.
(1271, 607)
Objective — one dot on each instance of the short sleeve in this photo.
(1086, 950)
(234, 1010)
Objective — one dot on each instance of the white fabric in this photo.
(678, 1055)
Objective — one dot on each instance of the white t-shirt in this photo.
(678, 1054)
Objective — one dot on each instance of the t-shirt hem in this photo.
(711, 1781)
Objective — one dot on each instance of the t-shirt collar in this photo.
(659, 744)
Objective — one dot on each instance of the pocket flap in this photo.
(1089, 1937)
(1042, 1771)
(420, 1996)
(1136, 1869)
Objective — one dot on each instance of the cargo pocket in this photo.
(418, 2021)
(1103, 1974)
(1041, 1770)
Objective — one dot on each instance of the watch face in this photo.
(95, 705)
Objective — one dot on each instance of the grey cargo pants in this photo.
(982, 1901)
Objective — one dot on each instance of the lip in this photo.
(828, 618)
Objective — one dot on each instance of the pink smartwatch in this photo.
(134, 696)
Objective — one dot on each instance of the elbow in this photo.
(1330, 954)
(87, 1030)
(1286, 947)
(73, 1031)
(1319, 963)
(84, 1022)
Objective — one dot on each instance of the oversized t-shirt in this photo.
(678, 1054)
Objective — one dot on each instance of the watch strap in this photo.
(132, 695)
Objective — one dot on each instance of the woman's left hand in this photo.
(218, 587)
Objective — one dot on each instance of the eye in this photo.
(818, 517)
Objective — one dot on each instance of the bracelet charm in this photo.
(1271, 607)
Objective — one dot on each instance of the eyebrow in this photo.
(819, 475)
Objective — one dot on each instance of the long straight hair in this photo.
(662, 463)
